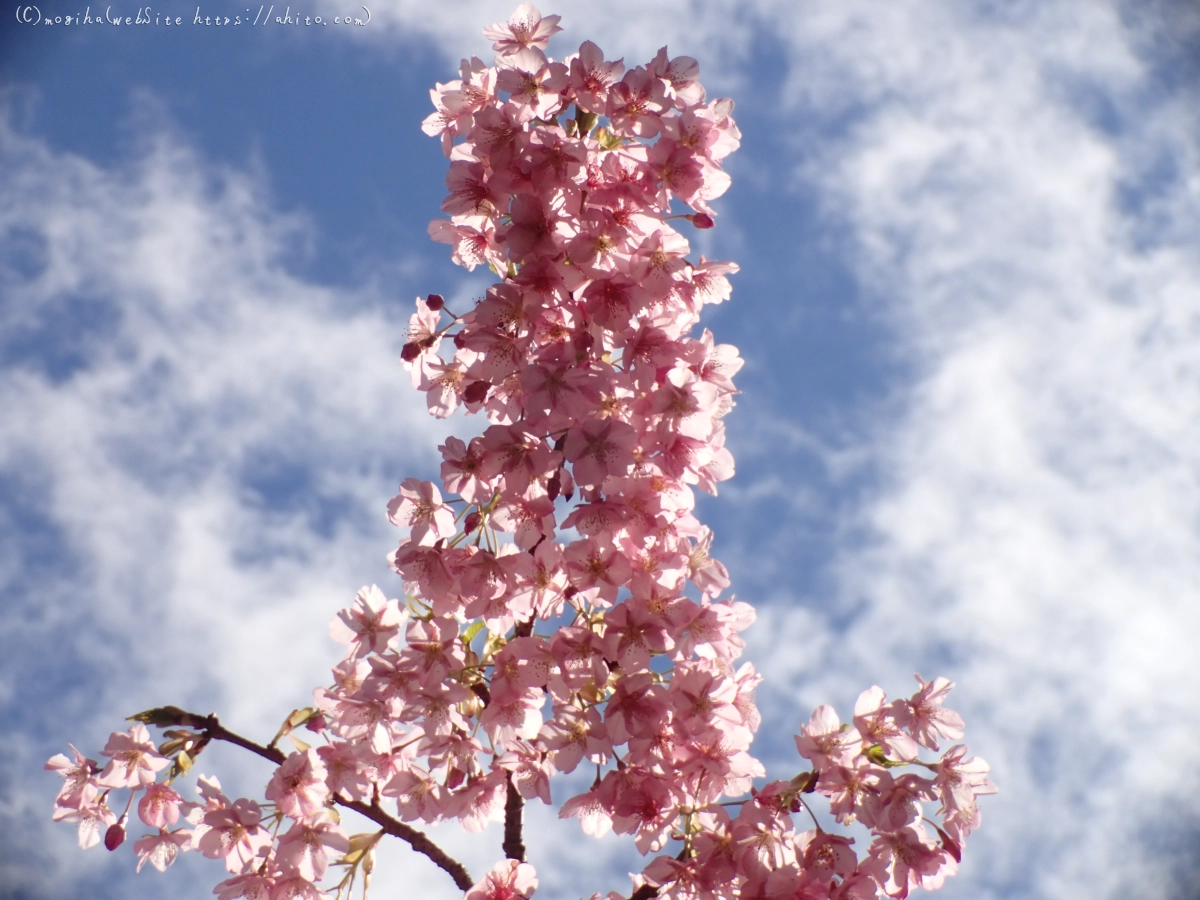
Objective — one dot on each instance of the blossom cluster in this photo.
(561, 607)
(261, 860)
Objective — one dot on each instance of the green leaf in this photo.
(295, 719)
(472, 630)
(608, 140)
(300, 716)
(162, 716)
(805, 782)
(585, 121)
(875, 754)
(300, 745)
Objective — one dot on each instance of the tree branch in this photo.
(211, 729)
(216, 731)
(514, 847)
(417, 839)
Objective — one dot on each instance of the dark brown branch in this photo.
(481, 691)
(212, 729)
(514, 847)
(417, 839)
(218, 732)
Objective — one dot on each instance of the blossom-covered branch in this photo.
(560, 604)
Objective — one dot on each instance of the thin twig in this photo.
(212, 729)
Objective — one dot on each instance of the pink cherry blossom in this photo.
(463, 471)
(600, 449)
(572, 735)
(161, 849)
(525, 35)
(419, 505)
(480, 802)
(370, 624)
(251, 887)
(298, 787)
(924, 717)
(135, 761)
(877, 723)
(508, 880)
(824, 742)
(681, 75)
(234, 833)
(159, 806)
(823, 855)
(591, 77)
(561, 610)
(77, 774)
(959, 781)
(303, 849)
(91, 812)
(905, 859)
(591, 811)
(294, 886)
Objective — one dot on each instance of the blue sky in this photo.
(967, 441)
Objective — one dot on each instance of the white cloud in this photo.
(718, 34)
(197, 448)
(1021, 187)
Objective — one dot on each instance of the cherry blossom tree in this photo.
(559, 605)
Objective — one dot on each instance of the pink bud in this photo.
(317, 723)
(702, 220)
(435, 301)
(115, 836)
(471, 522)
(950, 845)
(411, 351)
(476, 392)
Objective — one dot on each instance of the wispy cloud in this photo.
(195, 451)
(1020, 185)
(194, 439)
(721, 33)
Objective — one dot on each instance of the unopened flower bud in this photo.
(435, 301)
(115, 836)
(411, 351)
(950, 845)
(317, 723)
(702, 220)
(472, 706)
(476, 392)
(471, 522)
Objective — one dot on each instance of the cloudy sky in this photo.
(968, 441)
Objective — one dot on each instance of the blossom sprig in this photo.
(561, 607)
